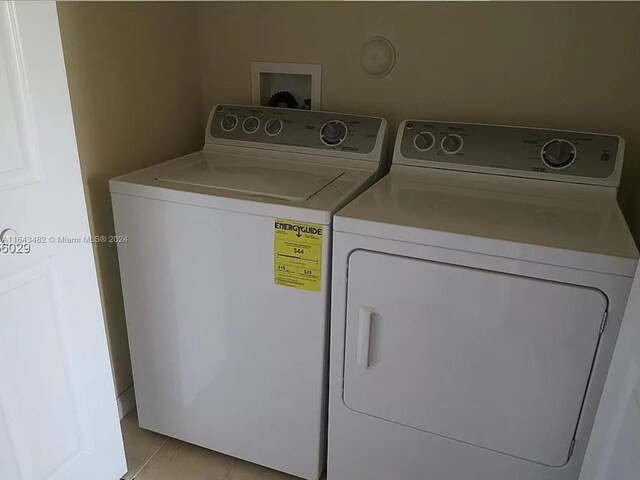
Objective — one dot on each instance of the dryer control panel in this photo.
(516, 151)
(296, 128)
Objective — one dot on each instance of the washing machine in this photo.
(225, 268)
(478, 290)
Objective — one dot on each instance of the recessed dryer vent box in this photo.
(302, 80)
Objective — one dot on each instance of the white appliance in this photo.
(226, 276)
(478, 291)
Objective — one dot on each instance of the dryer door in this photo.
(486, 358)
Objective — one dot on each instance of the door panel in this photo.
(16, 145)
(495, 360)
(38, 404)
(58, 416)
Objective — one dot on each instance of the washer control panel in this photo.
(300, 128)
(510, 150)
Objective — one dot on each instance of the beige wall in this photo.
(144, 76)
(569, 65)
(135, 94)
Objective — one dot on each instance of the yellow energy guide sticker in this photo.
(297, 259)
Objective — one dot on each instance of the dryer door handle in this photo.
(364, 333)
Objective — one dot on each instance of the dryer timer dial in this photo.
(558, 153)
(451, 143)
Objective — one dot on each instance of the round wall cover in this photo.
(377, 57)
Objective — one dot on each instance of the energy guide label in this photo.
(297, 260)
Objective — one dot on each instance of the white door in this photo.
(58, 417)
(614, 446)
(494, 360)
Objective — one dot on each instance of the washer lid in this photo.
(285, 180)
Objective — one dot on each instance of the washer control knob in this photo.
(273, 126)
(229, 122)
(333, 133)
(558, 153)
(423, 141)
(451, 143)
(251, 124)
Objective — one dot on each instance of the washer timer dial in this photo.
(558, 153)
(229, 122)
(273, 126)
(333, 133)
(251, 124)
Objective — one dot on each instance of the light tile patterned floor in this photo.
(140, 445)
(155, 457)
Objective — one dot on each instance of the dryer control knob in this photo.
(423, 141)
(451, 143)
(558, 153)
(333, 133)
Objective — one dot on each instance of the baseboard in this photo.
(126, 402)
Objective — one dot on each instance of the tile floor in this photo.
(151, 456)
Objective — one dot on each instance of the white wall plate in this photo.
(302, 80)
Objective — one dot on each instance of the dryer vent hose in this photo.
(283, 99)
